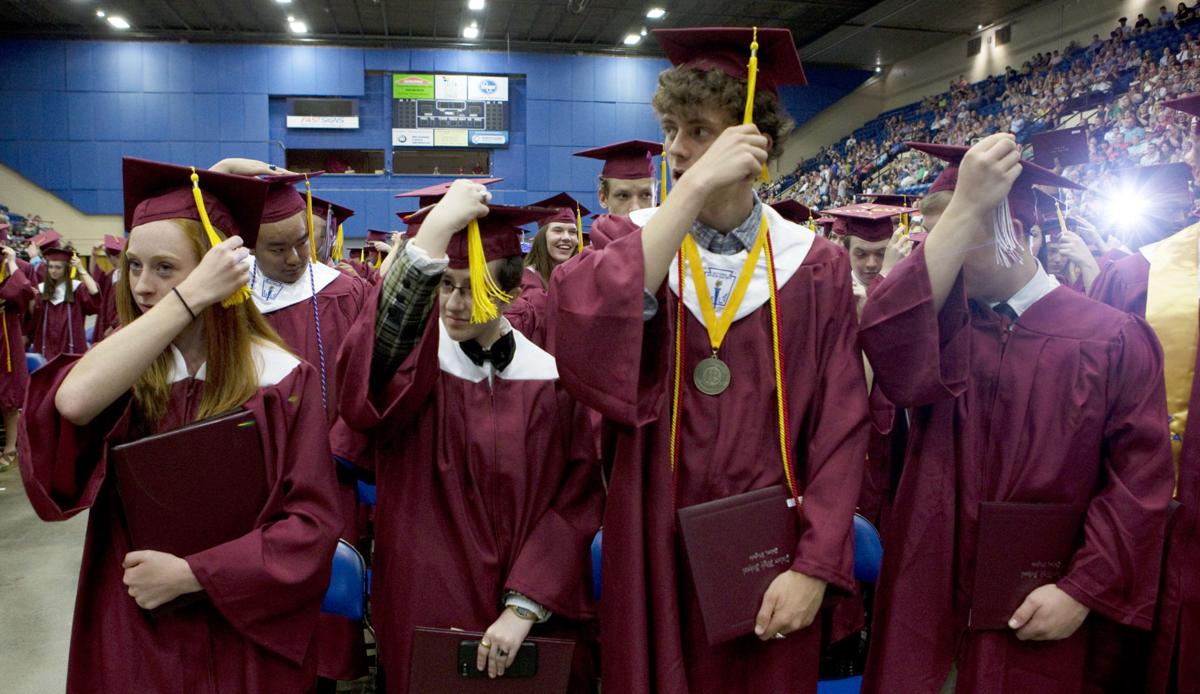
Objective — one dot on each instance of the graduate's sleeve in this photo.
(610, 357)
(1115, 572)
(16, 292)
(87, 302)
(836, 433)
(398, 398)
(63, 466)
(1118, 288)
(553, 567)
(920, 356)
(269, 583)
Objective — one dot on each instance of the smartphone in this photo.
(523, 667)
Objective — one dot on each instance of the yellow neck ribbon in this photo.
(1171, 304)
(718, 326)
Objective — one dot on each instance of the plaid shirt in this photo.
(404, 305)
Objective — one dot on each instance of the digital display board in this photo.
(433, 110)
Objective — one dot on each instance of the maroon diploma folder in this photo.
(189, 489)
(1021, 547)
(443, 662)
(735, 547)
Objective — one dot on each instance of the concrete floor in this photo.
(39, 567)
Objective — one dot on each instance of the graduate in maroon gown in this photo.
(106, 316)
(627, 181)
(15, 294)
(252, 627)
(622, 311)
(367, 261)
(1020, 390)
(312, 306)
(61, 304)
(868, 233)
(1167, 270)
(489, 491)
(559, 238)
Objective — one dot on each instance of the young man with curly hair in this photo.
(690, 402)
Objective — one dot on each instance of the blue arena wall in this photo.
(70, 109)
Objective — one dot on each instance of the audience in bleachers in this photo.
(1116, 85)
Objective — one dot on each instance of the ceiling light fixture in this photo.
(100, 14)
(878, 69)
(979, 28)
(471, 32)
(284, 2)
(475, 5)
(656, 13)
(118, 22)
(298, 27)
(632, 39)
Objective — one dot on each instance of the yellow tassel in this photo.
(485, 294)
(378, 260)
(751, 81)
(579, 226)
(339, 243)
(74, 257)
(312, 238)
(243, 293)
(362, 253)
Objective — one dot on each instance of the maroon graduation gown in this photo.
(254, 632)
(1067, 407)
(365, 270)
(59, 328)
(1175, 644)
(528, 312)
(16, 292)
(619, 364)
(106, 312)
(342, 653)
(484, 485)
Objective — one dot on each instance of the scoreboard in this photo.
(432, 110)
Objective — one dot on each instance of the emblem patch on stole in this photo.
(720, 283)
(270, 288)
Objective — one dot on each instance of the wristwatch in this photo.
(523, 613)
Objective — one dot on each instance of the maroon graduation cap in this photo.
(430, 195)
(155, 191)
(46, 239)
(1021, 200)
(500, 232)
(322, 207)
(629, 161)
(113, 244)
(868, 221)
(1188, 104)
(57, 253)
(283, 200)
(728, 49)
(793, 210)
(564, 208)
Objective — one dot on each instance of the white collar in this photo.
(270, 296)
(529, 363)
(60, 292)
(790, 242)
(1038, 286)
(272, 364)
